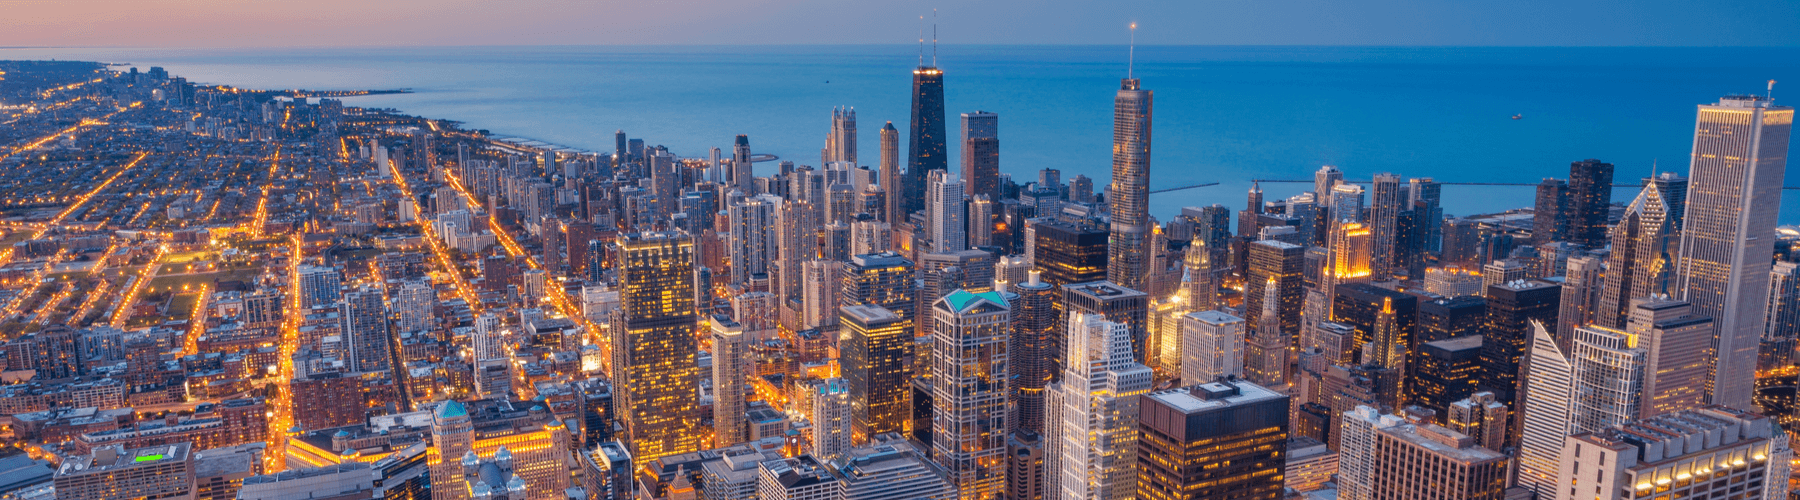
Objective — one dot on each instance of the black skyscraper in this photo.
(1510, 310)
(925, 151)
(1590, 194)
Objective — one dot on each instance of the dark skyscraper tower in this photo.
(1550, 220)
(926, 151)
(619, 154)
(1590, 194)
(1128, 252)
(741, 173)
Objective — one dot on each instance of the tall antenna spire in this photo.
(1131, 54)
(934, 38)
(922, 41)
(1770, 96)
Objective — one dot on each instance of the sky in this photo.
(325, 23)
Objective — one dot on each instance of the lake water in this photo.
(1223, 114)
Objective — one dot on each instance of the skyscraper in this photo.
(1068, 253)
(1590, 194)
(981, 154)
(1582, 283)
(1212, 346)
(363, 323)
(654, 372)
(1426, 196)
(1034, 333)
(1679, 352)
(1550, 214)
(414, 302)
(1384, 213)
(1443, 372)
(925, 150)
(831, 419)
(1740, 156)
(1607, 374)
(742, 173)
(1511, 310)
(893, 181)
(840, 144)
(1640, 259)
(1118, 304)
(969, 390)
(730, 356)
(1281, 265)
(1781, 333)
(1199, 281)
(876, 346)
(1128, 250)
(1544, 410)
(949, 229)
(753, 245)
(1219, 440)
(1093, 413)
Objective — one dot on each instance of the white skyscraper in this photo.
(831, 420)
(819, 292)
(870, 236)
(1679, 352)
(1546, 406)
(1091, 416)
(731, 351)
(753, 243)
(490, 337)
(1608, 378)
(944, 204)
(1212, 346)
(1734, 193)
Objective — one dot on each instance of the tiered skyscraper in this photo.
(925, 151)
(1735, 179)
(1128, 249)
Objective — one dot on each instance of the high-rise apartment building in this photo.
(319, 286)
(946, 212)
(752, 245)
(1608, 378)
(969, 390)
(893, 181)
(1384, 222)
(1217, 440)
(414, 302)
(1781, 333)
(742, 172)
(654, 372)
(1480, 417)
(1583, 281)
(840, 143)
(831, 419)
(981, 154)
(1119, 304)
(1728, 230)
(730, 359)
(877, 349)
(363, 322)
(1093, 413)
(1033, 334)
(1128, 246)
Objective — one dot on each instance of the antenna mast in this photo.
(934, 38)
(921, 41)
(1131, 53)
(1770, 95)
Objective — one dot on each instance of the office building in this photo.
(925, 151)
(1728, 230)
(1590, 195)
(1128, 248)
(1511, 309)
(969, 390)
(535, 443)
(981, 154)
(1679, 352)
(1093, 413)
(1212, 346)
(1445, 319)
(348, 480)
(1544, 407)
(1424, 460)
(1452, 282)
(877, 366)
(654, 373)
(1550, 213)
(1781, 335)
(840, 143)
(1480, 417)
(1025, 466)
(1384, 222)
(742, 173)
(1711, 452)
(1358, 436)
(1217, 440)
(1443, 372)
(797, 478)
(1068, 253)
(890, 468)
(1361, 304)
(118, 473)
(1199, 279)
(1280, 265)
(1266, 349)
(1608, 378)
(893, 181)
(1640, 258)
(1583, 281)
(885, 280)
(1119, 304)
(752, 245)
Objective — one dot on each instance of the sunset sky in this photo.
(280, 23)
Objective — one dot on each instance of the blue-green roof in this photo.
(961, 300)
(452, 409)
